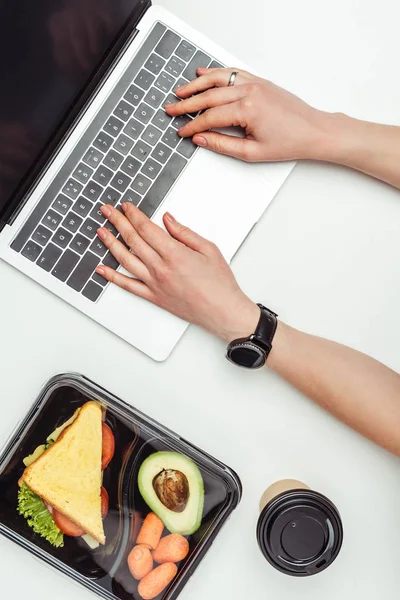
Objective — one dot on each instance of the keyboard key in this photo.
(62, 237)
(180, 121)
(52, 220)
(31, 250)
(120, 181)
(110, 196)
(170, 99)
(144, 113)
(123, 144)
(171, 137)
(49, 257)
(130, 166)
(154, 64)
(92, 291)
(185, 50)
(110, 261)
(98, 247)
(161, 119)
(110, 227)
(199, 60)
(93, 157)
(215, 65)
(144, 79)
(99, 279)
(141, 150)
(151, 168)
(151, 134)
(103, 175)
(103, 141)
(92, 191)
(82, 173)
(113, 160)
(186, 148)
(141, 184)
(154, 97)
(133, 129)
(164, 82)
(167, 44)
(72, 189)
(134, 95)
(123, 110)
(97, 215)
(181, 81)
(83, 271)
(62, 204)
(162, 153)
(132, 197)
(162, 184)
(41, 235)
(72, 222)
(113, 126)
(82, 206)
(79, 243)
(65, 265)
(175, 66)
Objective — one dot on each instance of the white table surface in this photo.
(325, 257)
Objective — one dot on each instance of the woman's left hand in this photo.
(179, 271)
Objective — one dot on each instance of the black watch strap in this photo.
(266, 328)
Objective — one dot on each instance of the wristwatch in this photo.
(252, 352)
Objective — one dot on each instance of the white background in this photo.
(325, 256)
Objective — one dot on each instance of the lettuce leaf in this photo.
(32, 507)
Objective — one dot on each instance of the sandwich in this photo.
(61, 489)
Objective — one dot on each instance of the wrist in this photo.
(239, 322)
(339, 141)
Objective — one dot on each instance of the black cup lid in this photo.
(300, 532)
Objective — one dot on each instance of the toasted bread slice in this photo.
(68, 475)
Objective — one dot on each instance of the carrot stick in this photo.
(172, 548)
(151, 531)
(157, 580)
(140, 562)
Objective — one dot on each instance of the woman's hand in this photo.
(277, 124)
(178, 271)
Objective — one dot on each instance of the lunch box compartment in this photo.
(104, 570)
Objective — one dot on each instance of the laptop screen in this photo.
(48, 51)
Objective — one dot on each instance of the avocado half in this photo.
(172, 486)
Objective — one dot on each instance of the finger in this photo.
(212, 78)
(131, 237)
(185, 235)
(126, 283)
(241, 148)
(220, 116)
(151, 233)
(126, 259)
(208, 99)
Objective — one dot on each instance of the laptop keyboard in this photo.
(131, 152)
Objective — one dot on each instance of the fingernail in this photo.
(169, 217)
(100, 270)
(180, 88)
(106, 210)
(200, 141)
(124, 206)
(102, 233)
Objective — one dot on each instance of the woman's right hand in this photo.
(277, 124)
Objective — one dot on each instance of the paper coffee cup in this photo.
(299, 531)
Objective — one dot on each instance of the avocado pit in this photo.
(172, 489)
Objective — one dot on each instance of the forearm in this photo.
(368, 147)
(355, 388)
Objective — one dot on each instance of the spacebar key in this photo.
(162, 185)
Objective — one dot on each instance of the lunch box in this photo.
(104, 570)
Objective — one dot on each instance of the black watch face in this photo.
(247, 356)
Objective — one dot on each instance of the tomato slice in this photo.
(108, 448)
(104, 503)
(66, 525)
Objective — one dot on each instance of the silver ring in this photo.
(232, 78)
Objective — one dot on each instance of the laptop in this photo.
(83, 85)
